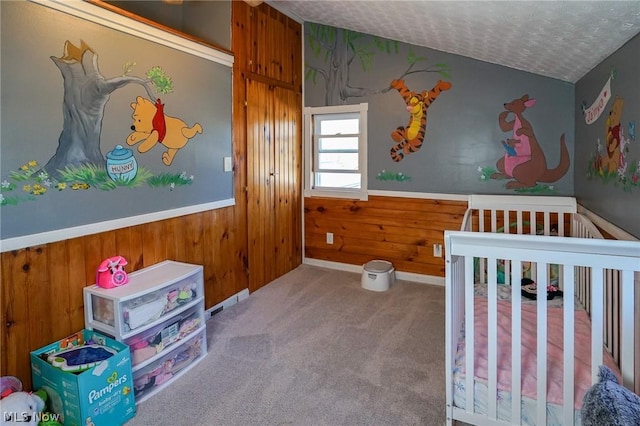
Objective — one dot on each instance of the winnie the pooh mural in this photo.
(151, 126)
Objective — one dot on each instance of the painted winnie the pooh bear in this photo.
(611, 161)
(151, 126)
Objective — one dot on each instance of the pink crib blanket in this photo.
(582, 350)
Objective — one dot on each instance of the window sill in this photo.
(362, 195)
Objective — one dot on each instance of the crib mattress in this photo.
(503, 403)
(582, 333)
(503, 292)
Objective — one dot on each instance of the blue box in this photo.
(102, 393)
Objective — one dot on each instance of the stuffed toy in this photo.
(608, 403)
(530, 290)
(21, 408)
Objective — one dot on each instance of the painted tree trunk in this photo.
(86, 93)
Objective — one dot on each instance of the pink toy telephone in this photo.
(111, 272)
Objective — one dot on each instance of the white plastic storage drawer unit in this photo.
(159, 314)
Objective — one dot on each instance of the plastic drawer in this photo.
(149, 344)
(158, 374)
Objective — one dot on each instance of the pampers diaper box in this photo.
(88, 380)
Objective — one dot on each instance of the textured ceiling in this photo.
(558, 39)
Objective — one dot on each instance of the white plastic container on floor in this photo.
(378, 275)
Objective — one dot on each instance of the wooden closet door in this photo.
(287, 182)
(274, 118)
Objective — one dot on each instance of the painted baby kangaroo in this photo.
(524, 161)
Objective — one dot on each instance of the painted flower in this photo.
(24, 167)
(33, 163)
(26, 188)
(77, 186)
(61, 186)
(38, 189)
(5, 184)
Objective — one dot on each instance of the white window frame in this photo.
(309, 149)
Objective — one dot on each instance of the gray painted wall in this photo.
(615, 198)
(462, 133)
(32, 120)
(207, 20)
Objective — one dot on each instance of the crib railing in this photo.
(546, 216)
(550, 216)
(535, 215)
(591, 258)
(523, 215)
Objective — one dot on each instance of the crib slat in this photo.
(568, 344)
(469, 334)
(541, 354)
(519, 221)
(612, 284)
(627, 365)
(532, 223)
(507, 223)
(492, 333)
(597, 317)
(516, 345)
(494, 221)
(636, 376)
(547, 224)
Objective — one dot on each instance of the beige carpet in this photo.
(314, 348)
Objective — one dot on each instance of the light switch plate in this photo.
(228, 165)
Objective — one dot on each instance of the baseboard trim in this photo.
(238, 297)
(400, 275)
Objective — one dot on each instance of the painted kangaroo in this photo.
(524, 161)
(410, 138)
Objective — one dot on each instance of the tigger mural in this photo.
(409, 139)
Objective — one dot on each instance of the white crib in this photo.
(511, 232)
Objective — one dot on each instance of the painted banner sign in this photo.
(592, 113)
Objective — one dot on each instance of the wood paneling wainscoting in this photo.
(400, 230)
(41, 292)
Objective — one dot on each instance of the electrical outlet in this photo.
(329, 238)
(437, 250)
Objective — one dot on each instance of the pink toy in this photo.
(9, 385)
(111, 272)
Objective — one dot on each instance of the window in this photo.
(336, 151)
